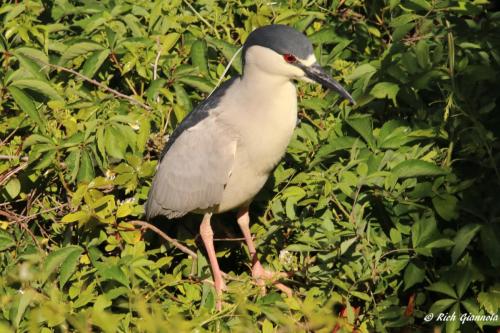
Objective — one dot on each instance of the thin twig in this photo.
(171, 240)
(229, 239)
(4, 178)
(202, 18)
(226, 70)
(96, 83)
(13, 157)
(20, 221)
(155, 65)
(157, 59)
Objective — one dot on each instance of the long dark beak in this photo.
(317, 73)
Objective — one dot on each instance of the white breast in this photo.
(265, 120)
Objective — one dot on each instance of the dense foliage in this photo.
(383, 212)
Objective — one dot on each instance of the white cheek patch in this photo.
(309, 60)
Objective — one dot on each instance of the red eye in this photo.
(289, 58)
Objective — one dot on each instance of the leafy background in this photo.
(382, 213)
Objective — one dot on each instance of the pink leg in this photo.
(258, 272)
(207, 235)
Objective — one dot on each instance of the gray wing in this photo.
(194, 171)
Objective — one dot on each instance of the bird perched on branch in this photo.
(222, 153)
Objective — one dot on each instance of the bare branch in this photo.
(169, 239)
(95, 82)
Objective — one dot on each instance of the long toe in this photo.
(263, 276)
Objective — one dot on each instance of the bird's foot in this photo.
(262, 276)
(220, 286)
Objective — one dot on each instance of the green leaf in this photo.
(463, 238)
(27, 105)
(423, 4)
(31, 65)
(424, 231)
(116, 143)
(73, 217)
(198, 83)
(443, 288)
(113, 272)
(228, 50)
(301, 248)
(363, 125)
(422, 52)
(58, 258)
(490, 300)
(417, 168)
(6, 240)
(441, 306)
(39, 86)
(446, 206)
(94, 62)
(169, 41)
(453, 325)
(413, 275)
(68, 267)
(490, 242)
(385, 90)
(360, 295)
(86, 170)
(46, 160)
(199, 56)
(463, 282)
(13, 187)
(403, 19)
(78, 49)
(267, 327)
(361, 71)
(154, 88)
(25, 300)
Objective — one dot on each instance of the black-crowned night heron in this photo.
(222, 153)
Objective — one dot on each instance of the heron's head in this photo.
(283, 51)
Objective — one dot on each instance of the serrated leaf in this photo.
(94, 62)
(31, 65)
(78, 49)
(443, 288)
(39, 86)
(113, 272)
(490, 300)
